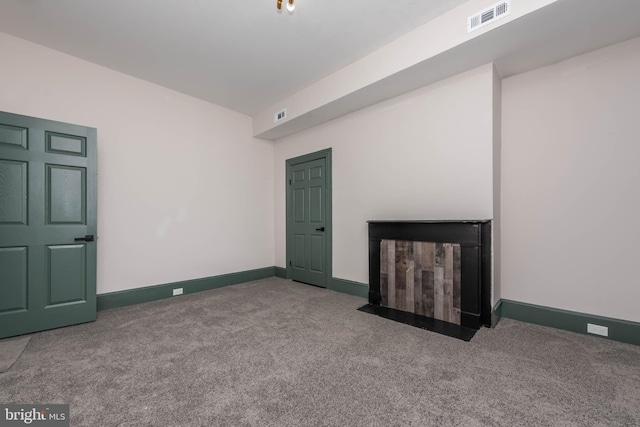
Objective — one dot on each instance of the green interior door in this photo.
(307, 222)
(47, 203)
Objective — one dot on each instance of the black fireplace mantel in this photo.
(474, 238)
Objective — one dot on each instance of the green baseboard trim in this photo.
(349, 287)
(496, 314)
(153, 293)
(281, 272)
(619, 330)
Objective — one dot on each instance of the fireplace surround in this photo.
(431, 273)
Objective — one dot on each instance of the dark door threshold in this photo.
(422, 322)
(310, 284)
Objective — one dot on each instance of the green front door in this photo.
(307, 222)
(47, 224)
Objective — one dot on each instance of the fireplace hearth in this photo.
(432, 274)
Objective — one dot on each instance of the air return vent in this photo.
(489, 15)
(280, 115)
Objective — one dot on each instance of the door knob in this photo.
(87, 238)
(320, 229)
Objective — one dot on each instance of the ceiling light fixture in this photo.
(291, 7)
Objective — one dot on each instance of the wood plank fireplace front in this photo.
(439, 270)
(421, 278)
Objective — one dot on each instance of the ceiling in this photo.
(242, 55)
(551, 33)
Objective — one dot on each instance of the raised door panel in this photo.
(315, 173)
(299, 176)
(66, 195)
(299, 250)
(13, 136)
(299, 206)
(316, 253)
(13, 192)
(13, 279)
(315, 205)
(66, 274)
(66, 144)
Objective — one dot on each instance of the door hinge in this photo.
(289, 262)
(289, 182)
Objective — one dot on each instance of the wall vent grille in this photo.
(280, 115)
(489, 15)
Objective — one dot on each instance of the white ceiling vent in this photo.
(280, 115)
(489, 15)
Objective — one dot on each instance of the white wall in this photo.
(497, 179)
(424, 155)
(571, 184)
(184, 191)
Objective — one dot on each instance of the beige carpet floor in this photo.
(10, 351)
(279, 353)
